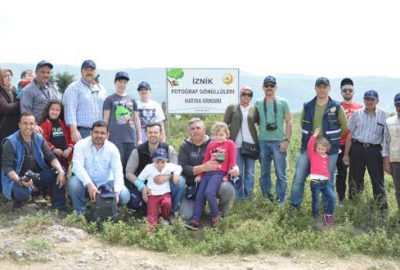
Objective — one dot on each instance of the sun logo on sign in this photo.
(227, 78)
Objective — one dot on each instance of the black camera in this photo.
(30, 175)
(271, 126)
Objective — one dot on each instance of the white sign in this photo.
(191, 90)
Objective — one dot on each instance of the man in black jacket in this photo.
(191, 154)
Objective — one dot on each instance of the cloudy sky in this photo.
(329, 38)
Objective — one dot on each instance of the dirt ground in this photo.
(59, 247)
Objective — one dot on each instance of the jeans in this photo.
(77, 192)
(207, 190)
(177, 192)
(47, 179)
(329, 194)
(269, 151)
(302, 171)
(246, 168)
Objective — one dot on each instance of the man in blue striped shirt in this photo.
(83, 102)
(365, 140)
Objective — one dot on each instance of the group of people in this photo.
(119, 142)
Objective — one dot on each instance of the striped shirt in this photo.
(34, 98)
(390, 146)
(368, 128)
(83, 103)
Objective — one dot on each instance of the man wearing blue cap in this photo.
(391, 150)
(365, 140)
(83, 102)
(149, 110)
(275, 128)
(328, 115)
(120, 111)
(36, 95)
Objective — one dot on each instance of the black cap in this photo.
(121, 75)
(322, 80)
(160, 154)
(371, 94)
(144, 85)
(44, 63)
(88, 64)
(269, 79)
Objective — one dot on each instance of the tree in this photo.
(62, 81)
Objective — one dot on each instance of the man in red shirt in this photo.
(347, 91)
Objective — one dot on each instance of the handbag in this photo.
(250, 150)
(191, 191)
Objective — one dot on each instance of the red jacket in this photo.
(319, 164)
(47, 127)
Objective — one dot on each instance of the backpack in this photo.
(105, 206)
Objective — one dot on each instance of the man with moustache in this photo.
(83, 101)
(349, 106)
(34, 96)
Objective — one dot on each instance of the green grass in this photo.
(260, 226)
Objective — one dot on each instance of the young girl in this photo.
(158, 195)
(56, 132)
(224, 151)
(317, 149)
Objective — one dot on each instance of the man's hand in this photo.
(283, 146)
(346, 160)
(235, 171)
(60, 179)
(93, 191)
(145, 193)
(38, 129)
(211, 165)
(75, 135)
(386, 165)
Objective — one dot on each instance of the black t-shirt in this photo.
(57, 137)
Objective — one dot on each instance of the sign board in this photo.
(192, 90)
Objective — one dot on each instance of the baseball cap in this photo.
(322, 80)
(397, 98)
(145, 85)
(44, 63)
(269, 79)
(106, 191)
(121, 75)
(88, 64)
(160, 154)
(371, 94)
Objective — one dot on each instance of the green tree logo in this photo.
(174, 74)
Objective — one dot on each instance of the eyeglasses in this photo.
(247, 94)
(269, 85)
(345, 90)
(7, 76)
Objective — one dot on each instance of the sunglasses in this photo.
(247, 94)
(269, 85)
(349, 90)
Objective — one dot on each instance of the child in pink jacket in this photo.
(317, 149)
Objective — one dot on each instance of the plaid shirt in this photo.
(83, 103)
(34, 98)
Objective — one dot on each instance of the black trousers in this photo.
(369, 158)
(341, 175)
(396, 179)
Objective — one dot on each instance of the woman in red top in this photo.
(56, 132)
(317, 149)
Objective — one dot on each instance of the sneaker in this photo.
(270, 197)
(165, 223)
(329, 220)
(192, 225)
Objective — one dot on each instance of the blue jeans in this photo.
(269, 151)
(329, 194)
(302, 171)
(47, 179)
(246, 169)
(207, 190)
(77, 191)
(177, 192)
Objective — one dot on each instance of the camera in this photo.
(271, 126)
(30, 175)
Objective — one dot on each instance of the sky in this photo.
(320, 38)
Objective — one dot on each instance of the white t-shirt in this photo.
(244, 134)
(150, 172)
(149, 112)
